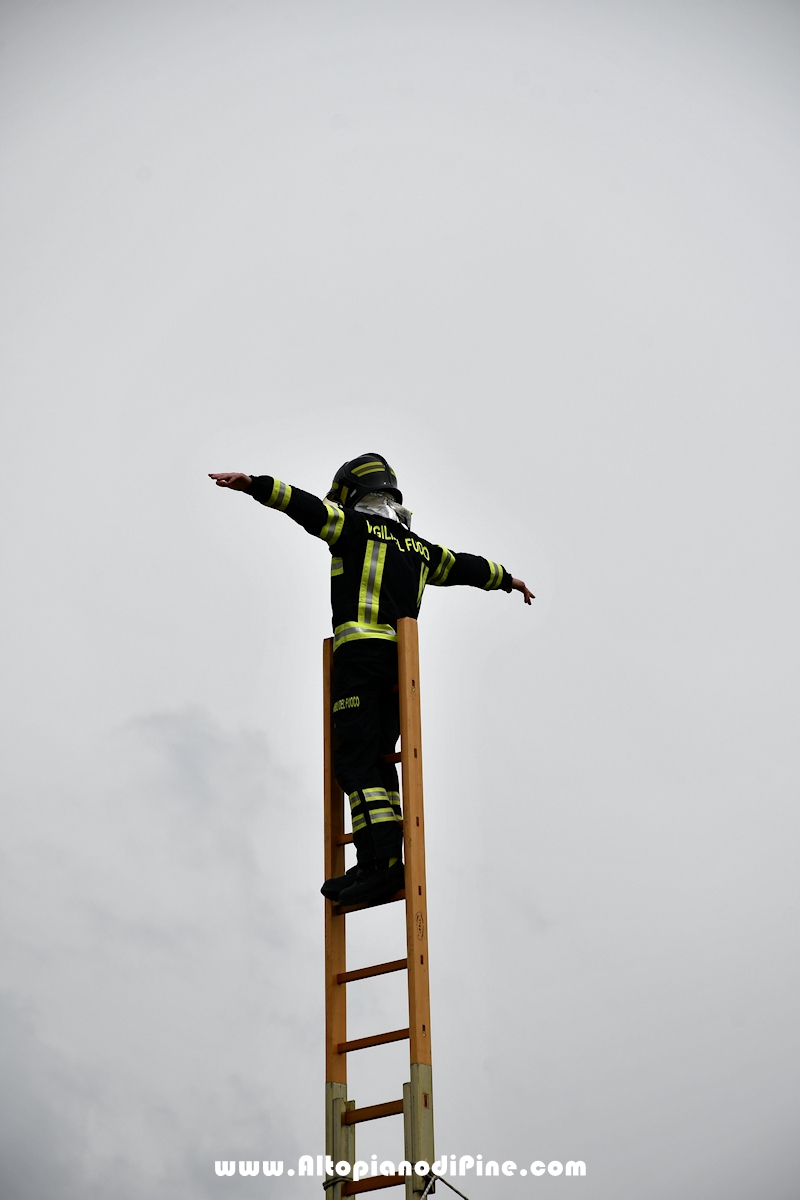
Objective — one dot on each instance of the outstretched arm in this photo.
(519, 586)
(319, 518)
(448, 569)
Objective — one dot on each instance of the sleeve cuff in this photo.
(261, 488)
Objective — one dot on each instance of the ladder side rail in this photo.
(339, 1138)
(414, 837)
(419, 1112)
(335, 944)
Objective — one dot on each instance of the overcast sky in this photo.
(543, 256)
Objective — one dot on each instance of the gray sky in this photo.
(544, 257)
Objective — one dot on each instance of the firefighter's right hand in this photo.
(232, 479)
(518, 586)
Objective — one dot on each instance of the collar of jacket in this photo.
(381, 504)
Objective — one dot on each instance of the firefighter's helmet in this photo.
(359, 476)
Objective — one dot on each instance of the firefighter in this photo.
(379, 571)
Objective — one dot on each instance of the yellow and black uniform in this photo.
(379, 571)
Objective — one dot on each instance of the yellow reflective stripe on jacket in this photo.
(444, 568)
(351, 631)
(369, 595)
(280, 495)
(334, 525)
(423, 575)
(495, 575)
(337, 566)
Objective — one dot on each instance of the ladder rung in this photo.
(377, 1039)
(391, 1108)
(340, 909)
(399, 964)
(351, 1187)
(390, 758)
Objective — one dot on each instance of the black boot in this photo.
(374, 885)
(331, 888)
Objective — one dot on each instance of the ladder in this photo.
(341, 1114)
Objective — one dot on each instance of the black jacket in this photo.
(379, 569)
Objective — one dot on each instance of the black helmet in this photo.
(359, 476)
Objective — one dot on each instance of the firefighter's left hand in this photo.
(519, 586)
(232, 479)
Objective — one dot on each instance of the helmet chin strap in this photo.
(382, 504)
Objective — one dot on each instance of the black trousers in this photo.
(366, 719)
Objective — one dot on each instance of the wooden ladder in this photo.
(341, 1114)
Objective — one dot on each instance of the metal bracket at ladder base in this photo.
(418, 1121)
(340, 1139)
